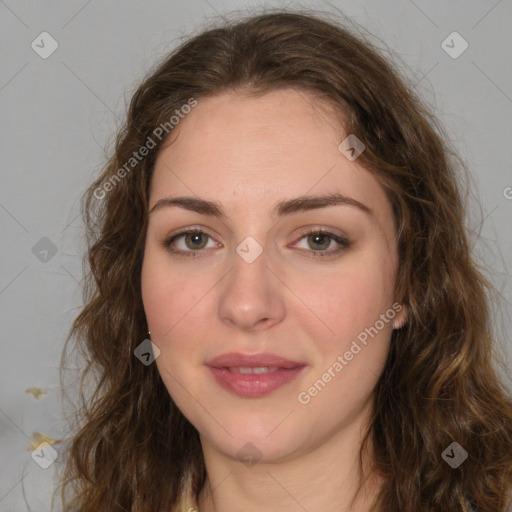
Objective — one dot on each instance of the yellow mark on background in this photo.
(37, 438)
(37, 392)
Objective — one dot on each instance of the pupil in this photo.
(194, 237)
(319, 238)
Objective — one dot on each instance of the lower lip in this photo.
(254, 385)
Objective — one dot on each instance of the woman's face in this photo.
(261, 280)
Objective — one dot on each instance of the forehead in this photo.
(251, 152)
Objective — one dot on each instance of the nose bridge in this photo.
(249, 292)
(250, 260)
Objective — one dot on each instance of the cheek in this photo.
(168, 295)
(178, 310)
(349, 299)
(175, 316)
(158, 302)
(351, 342)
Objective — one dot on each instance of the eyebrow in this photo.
(289, 206)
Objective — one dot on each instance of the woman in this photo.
(281, 216)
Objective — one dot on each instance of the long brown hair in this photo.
(132, 449)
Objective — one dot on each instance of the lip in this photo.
(253, 385)
(233, 359)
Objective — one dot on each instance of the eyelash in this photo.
(344, 243)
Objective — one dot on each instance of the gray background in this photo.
(60, 114)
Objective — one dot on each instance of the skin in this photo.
(249, 153)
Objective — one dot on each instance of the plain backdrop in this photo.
(60, 112)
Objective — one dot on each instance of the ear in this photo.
(401, 317)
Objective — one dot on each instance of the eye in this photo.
(319, 240)
(193, 241)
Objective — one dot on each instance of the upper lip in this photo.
(236, 359)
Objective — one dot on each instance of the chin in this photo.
(259, 441)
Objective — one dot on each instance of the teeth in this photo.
(257, 369)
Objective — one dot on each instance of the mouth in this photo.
(251, 370)
(253, 376)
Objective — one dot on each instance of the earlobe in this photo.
(401, 318)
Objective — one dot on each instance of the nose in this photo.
(251, 295)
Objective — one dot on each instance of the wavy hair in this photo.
(131, 447)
